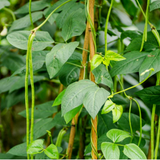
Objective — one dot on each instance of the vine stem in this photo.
(10, 11)
(30, 14)
(35, 29)
(106, 26)
(26, 94)
(81, 76)
(130, 123)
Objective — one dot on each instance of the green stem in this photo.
(74, 64)
(10, 11)
(26, 94)
(50, 16)
(130, 123)
(60, 137)
(151, 69)
(115, 84)
(32, 86)
(106, 26)
(140, 116)
(30, 14)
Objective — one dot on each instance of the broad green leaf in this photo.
(4, 3)
(35, 147)
(117, 135)
(52, 18)
(117, 112)
(102, 76)
(135, 121)
(112, 56)
(36, 6)
(105, 123)
(110, 150)
(46, 124)
(52, 152)
(43, 110)
(152, 61)
(130, 8)
(6, 156)
(68, 9)
(58, 99)
(108, 106)
(155, 5)
(7, 83)
(75, 94)
(150, 95)
(132, 151)
(38, 60)
(69, 74)
(74, 25)
(96, 61)
(131, 64)
(119, 100)
(131, 34)
(94, 99)
(20, 83)
(58, 56)
(18, 150)
(19, 39)
(25, 21)
(71, 114)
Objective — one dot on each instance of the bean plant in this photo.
(84, 75)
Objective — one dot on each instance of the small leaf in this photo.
(117, 135)
(35, 147)
(110, 150)
(58, 99)
(114, 56)
(117, 112)
(132, 151)
(96, 61)
(52, 152)
(4, 3)
(109, 106)
(155, 5)
(69, 115)
(58, 56)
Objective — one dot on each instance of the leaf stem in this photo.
(130, 123)
(74, 64)
(35, 29)
(10, 11)
(106, 26)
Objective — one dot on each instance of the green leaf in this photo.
(112, 56)
(69, 8)
(110, 150)
(96, 61)
(4, 3)
(35, 147)
(43, 110)
(152, 61)
(25, 21)
(117, 135)
(131, 34)
(130, 8)
(102, 76)
(19, 39)
(69, 74)
(154, 5)
(150, 95)
(36, 6)
(38, 60)
(7, 83)
(117, 113)
(18, 150)
(58, 56)
(74, 25)
(94, 99)
(135, 121)
(69, 115)
(132, 151)
(75, 94)
(58, 99)
(20, 83)
(52, 152)
(108, 106)
(131, 64)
